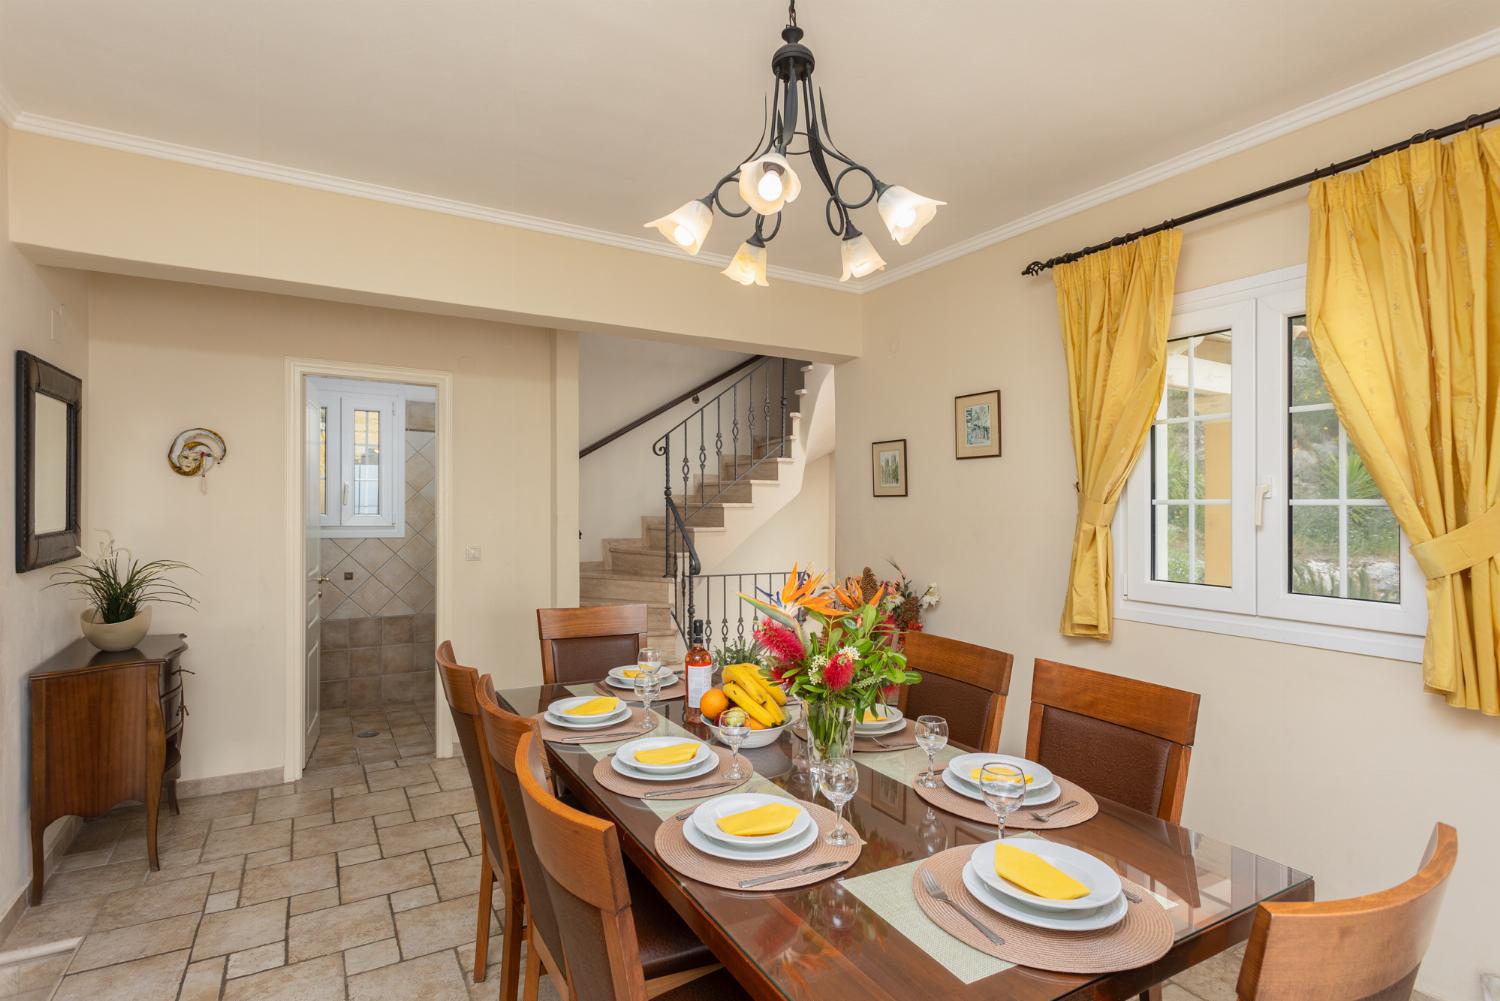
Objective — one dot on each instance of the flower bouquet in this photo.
(830, 647)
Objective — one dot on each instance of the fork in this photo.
(930, 884)
(1044, 817)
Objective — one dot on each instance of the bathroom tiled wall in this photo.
(378, 606)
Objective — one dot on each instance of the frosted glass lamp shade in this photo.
(905, 212)
(768, 182)
(859, 256)
(749, 265)
(687, 228)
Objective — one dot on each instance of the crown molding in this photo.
(1430, 67)
(1440, 63)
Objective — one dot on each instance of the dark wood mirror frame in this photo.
(35, 377)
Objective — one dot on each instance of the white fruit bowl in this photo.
(755, 738)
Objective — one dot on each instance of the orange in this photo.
(756, 724)
(713, 703)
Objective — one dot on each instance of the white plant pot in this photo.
(115, 636)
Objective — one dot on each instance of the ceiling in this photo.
(605, 114)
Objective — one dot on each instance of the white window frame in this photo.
(1259, 602)
(340, 398)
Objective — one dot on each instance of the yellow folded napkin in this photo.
(672, 754)
(594, 707)
(1036, 875)
(975, 775)
(761, 822)
(871, 717)
(630, 672)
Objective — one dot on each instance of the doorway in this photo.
(368, 478)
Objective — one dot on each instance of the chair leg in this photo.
(482, 929)
(515, 931)
(533, 966)
(1151, 994)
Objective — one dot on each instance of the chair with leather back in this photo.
(461, 686)
(598, 910)
(1361, 949)
(582, 644)
(964, 683)
(1126, 740)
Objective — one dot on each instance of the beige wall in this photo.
(166, 356)
(33, 624)
(801, 532)
(1335, 763)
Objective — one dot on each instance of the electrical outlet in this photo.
(472, 554)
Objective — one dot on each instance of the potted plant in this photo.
(119, 590)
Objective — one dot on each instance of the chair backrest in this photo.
(961, 682)
(503, 732)
(585, 875)
(1362, 949)
(582, 644)
(461, 686)
(1127, 740)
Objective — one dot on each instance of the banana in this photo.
(748, 677)
(745, 701)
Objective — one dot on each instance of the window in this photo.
(1250, 512)
(361, 454)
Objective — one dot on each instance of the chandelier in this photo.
(767, 183)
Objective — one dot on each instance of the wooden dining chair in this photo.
(582, 644)
(1127, 740)
(461, 686)
(961, 682)
(595, 903)
(1361, 949)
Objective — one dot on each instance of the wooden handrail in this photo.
(681, 398)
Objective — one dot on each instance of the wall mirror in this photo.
(48, 426)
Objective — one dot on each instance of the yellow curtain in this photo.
(1115, 307)
(1402, 264)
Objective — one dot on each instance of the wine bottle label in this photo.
(700, 678)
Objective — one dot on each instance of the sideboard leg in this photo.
(153, 806)
(38, 860)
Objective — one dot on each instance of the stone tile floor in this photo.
(357, 882)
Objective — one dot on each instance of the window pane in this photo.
(1170, 558)
(1315, 551)
(1374, 554)
(1211, 375)
(322, 460)
(1315, 455)
(1176, 396)
(366, 489)
(1360, 484)
(1215, 546)
(1174, 456)
(1307, 378)
(1212, 445)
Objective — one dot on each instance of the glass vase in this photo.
(830, 733)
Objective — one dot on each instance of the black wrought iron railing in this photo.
(714, 599)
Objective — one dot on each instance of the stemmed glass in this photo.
(647, 688)
(734, 735)
(838, 778)
(932, 736)
(1004, 787)
(649, 659)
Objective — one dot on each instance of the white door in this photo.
(314, 580)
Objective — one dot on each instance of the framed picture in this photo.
(888, 795)
(888, 468)
(976, 425)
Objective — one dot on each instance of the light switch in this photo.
(472, 554)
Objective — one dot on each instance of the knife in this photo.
(678, 793)
(746, 884)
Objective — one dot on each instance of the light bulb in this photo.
(768, 182)
(770, 186)
(683, 236)
(687, 227)
(904, 216)
(905, 212)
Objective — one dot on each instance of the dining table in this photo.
(860, 934)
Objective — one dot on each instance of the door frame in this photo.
(297, 371)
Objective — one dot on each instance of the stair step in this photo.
(620, 588)
(639, 561)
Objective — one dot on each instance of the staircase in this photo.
(745, 453)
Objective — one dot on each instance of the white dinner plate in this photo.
(561, 707)
(893, 721)
(706, 818)
(667, 679)
(718, 849)
(574, 723)
(966, 763)
(627, 751)
(624, 768)
(1034, 796)
(1102, 881)
(1104, 917)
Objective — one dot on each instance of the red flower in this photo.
(782, 675)
(839, 672)
(780, 642)
(889, 692)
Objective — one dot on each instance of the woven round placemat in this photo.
(901, 740)
(1023, 819)
(676, 690)
(605, 775)
(1143, 936)
(626, 728)
(673, 849)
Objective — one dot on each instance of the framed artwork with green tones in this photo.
(888, 468)
(976, 425)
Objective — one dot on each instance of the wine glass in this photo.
(647, 688)
(649, 659)
(1004, 787)
(733, 733)
(932, 736)
(838, 778)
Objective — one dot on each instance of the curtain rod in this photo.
(1473, 121)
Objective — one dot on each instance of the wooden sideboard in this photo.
(106, 729)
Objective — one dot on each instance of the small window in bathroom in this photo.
(361, 427)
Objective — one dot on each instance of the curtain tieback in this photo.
(1461, 548)
(1091, 512)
